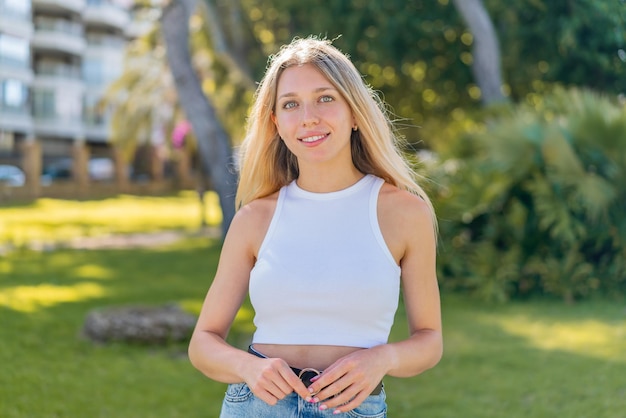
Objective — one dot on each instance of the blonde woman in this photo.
(331, 225)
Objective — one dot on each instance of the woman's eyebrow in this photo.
(317, 90)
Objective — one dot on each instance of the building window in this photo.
(14, 51)
(16, 9)
(13, 96)
(93, 71)
(98, 71)
(64, 103)
(52, 24)
(44, 107)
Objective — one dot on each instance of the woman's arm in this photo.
(269, 379)
(424, 348)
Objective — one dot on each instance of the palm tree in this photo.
(213, 141)
(208, 84)
(143, 98)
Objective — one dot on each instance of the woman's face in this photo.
(312, 117)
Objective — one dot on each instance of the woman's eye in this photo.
(289, 105)
(326, 99)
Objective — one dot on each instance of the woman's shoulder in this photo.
(259, 210)
(400, 201)
(251, 222)
(404, 210)
(406, 220)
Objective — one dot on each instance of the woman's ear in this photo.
(273, 117)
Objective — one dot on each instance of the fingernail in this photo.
(311, 390)
(336, 411)
(323, 407)
(308, 399)
(314, 378)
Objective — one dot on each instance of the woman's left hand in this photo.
(345, 384)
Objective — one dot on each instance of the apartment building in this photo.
(56, 59)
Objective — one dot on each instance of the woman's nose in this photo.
(309, 115)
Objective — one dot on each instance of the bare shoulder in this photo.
(404, 219)
(251, 222)
(258, 210)
(403, 206)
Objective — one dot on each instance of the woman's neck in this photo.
(320, 180)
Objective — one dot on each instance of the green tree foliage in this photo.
(534, 203)
(418, 53)
(580, 43)
(142, 97)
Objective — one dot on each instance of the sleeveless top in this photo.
(324, 274)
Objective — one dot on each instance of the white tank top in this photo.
(324, 275)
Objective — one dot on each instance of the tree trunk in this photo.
(486, 51)
(213, 142)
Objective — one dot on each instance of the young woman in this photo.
(331, 225)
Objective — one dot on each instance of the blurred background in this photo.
(514, 113)
(118, 125)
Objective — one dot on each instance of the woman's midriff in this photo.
(301, 356)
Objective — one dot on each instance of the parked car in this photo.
(100, 168)
(11, 176)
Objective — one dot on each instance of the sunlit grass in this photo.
(55, 220)
(31, 298)
(93, 271)
(586, 337)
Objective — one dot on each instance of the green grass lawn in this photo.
(533, 359)
(57, 220)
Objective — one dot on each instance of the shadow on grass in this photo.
(536, 359)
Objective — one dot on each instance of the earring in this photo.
(355, 128)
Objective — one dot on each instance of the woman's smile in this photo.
(314, 139)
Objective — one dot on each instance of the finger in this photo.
(346, 406)
(325, 381)
(346, 401)
(294, 382)
(267, 397)
(336, 393)
(262, 392)
(279, 389)
(270, 383)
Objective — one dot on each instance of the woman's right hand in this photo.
(271, 379)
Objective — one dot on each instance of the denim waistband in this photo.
(307, 374)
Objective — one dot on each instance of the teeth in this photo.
(313, 138)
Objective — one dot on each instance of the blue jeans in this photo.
(240, 402)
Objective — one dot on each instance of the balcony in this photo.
(96, 41)
(16, 120)
(104, 13)
(106, 48)
(58, 35)
(16, 24)
(96, 132)
(51, 74)
(75, 6)
(13, 69)
(59, 127)
(57, 107)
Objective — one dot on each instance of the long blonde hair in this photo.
(265, 162)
